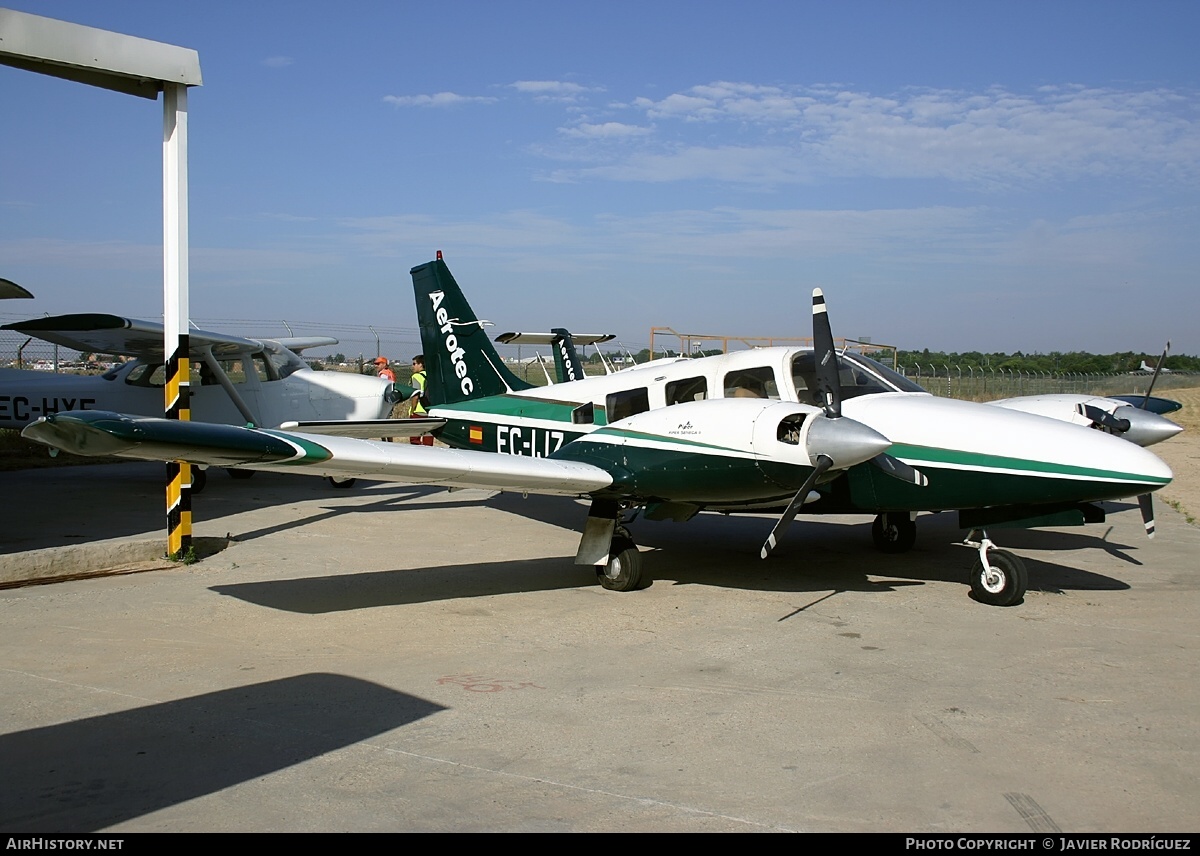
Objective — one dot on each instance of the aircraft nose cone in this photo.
(845, 441)
(1146, 428)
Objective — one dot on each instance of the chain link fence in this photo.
(360, 344)
(992, 384)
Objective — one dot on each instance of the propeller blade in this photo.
(1157, 368)
(1146, 503)
(897, 469)
(828, 393)
(823, 463)
(1102, 418)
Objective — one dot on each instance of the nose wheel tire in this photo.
(624, 569)
(1002, 582)
(894, 533)
(340, 484)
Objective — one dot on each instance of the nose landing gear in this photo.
(999, 577)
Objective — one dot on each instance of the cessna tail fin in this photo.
(460, 361)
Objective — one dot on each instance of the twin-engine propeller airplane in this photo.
(668, 440)
(1136, 418)
(234, 380)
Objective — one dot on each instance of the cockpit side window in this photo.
(147, 374)
(751, 383)
(238, 370)
(284, 363)
(857, 374)
(690, 389)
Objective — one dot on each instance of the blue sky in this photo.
(958, 176)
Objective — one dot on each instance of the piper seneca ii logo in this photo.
(685, 428)
(457, 355)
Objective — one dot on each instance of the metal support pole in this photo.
(175, 309)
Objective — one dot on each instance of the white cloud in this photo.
(553, 90)
(606, 130)
(277, 61)
(991, 139)
(440, 99)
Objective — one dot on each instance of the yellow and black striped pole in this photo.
(175, 312)
(179, 473)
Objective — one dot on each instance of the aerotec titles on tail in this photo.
(778, 430)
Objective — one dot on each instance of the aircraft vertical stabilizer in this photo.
(460, 360)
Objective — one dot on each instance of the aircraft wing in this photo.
(296, 344)
(129, 337)
(367, 429)
(97, 432)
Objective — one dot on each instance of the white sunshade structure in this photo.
(143, 68)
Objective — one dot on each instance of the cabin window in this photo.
(626, 403)
(584, 414)
(751, 383)
(691, 389)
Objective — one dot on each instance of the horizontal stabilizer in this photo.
(550, 338)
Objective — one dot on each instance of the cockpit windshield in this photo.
(859, 375)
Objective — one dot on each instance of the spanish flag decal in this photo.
(476, 434)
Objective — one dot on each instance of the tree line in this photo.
(1055, 362)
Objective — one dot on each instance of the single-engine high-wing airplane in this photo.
(234, 380)
(729, 433)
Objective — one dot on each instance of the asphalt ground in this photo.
(400, 658)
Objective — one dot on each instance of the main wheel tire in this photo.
(1001, 584)
(340, 484)
(235, 473)
(624, 569)
(199, 479)
(894, 533)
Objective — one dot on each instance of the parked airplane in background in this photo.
(567, 365)
(729, 433)
(234, 380)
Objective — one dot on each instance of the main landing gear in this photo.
(894, 532)
(607, 546)
(999, 577)
(623, 571)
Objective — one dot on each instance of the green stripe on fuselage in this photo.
(916, 455)
(499, 407)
